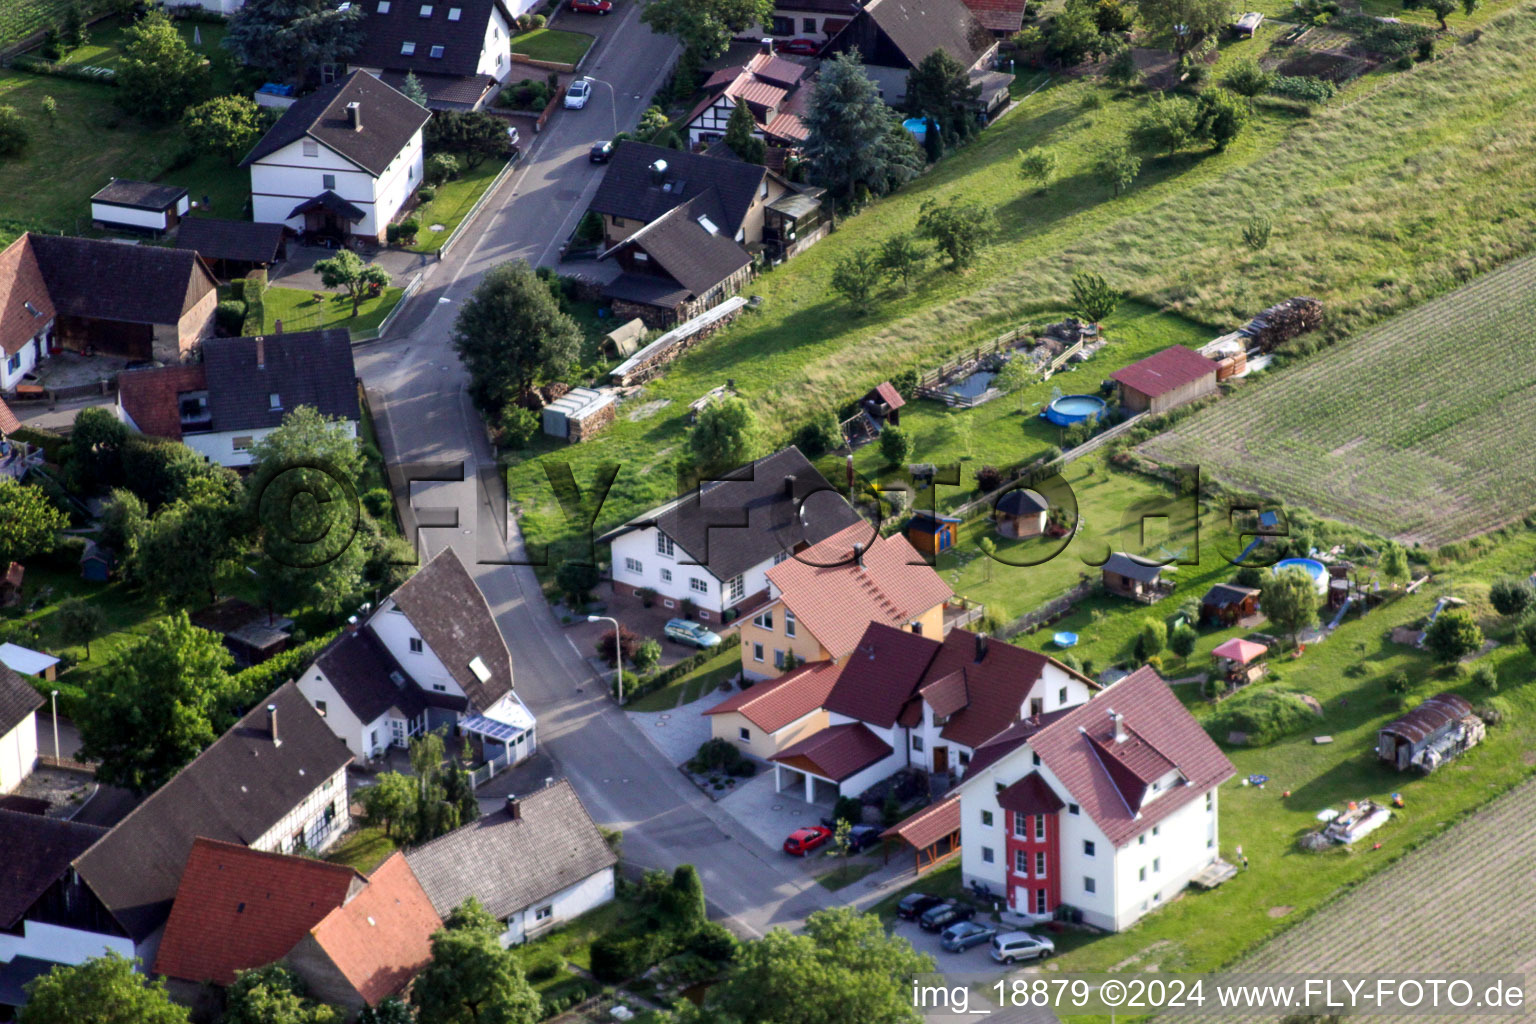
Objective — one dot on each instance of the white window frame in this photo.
(1021, 825)
(665, 545)
(544, 913)
(1040, 900)
(737, 587)
(1089, 885)
(1021, 863)
(757, 652)
(416, 646)
(987, 819)
(789, 628)
(408, 48)
(764, 619)
(744, 734)
(310, 148)
(666, 575)
(634, 565)
(697, 585)
(1040, 864)
(1040, 828)
(987, 857)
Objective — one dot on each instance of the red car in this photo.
(591, 6)
(803, 840)
(803, 47)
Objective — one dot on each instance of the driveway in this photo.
(678, 733)
(771, 816)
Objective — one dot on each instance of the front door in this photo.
(940, 760)
(397, 732)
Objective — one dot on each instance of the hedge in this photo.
(634, 691)
(52, 444)
(78, 72)
(254, 683)
(251, 290)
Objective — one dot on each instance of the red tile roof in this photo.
(928, 825)
(834, 598)
(882, 674)
(889, 395)
(381, 938)
(1108, 778)
(21, 282)
(9, 424)
(149, 397)
(835, 753)
(1164, 371)
(997, 684)
(998, 15)
(238, 908)
(1030, 795)
(772, 705)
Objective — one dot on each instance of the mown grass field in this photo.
(299, 310)
(553, 45)
(451, 204)
(1422, 428)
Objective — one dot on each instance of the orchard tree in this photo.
(102, 990)
(471, 979)
(940, 89)
(159, 75)
(1038, 165)
(741, 135)
(80, 622)
(190, 543)
(725, 436)
(390, 804)
(1222, 115)
(1248, 79)
(1122, 71)
(225, 125)
(285, 39)
(275, 995)
(855, 141)
(1092, 298)
(155, 705)
(957, 228)
(1184, 21)
(350, 273)
(706, 27)
(1289, 598)
(854, 277)
(14, 133)
(1441, 9)
(512, 335)
(1394, 563)
(1453, 635)
(901, 258)
(1169, 124)
(1117, 167)
(32, 522)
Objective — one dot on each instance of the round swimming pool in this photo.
(1317, 570)
(1070, 409)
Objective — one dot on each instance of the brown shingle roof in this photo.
(998, 15)
(836, 752)
(149, 396)
(918, 27)
(390, 121)
(928, 825)
(882, 674)
(772, 705)
(691, 254)
(359, 668)
(18, 699)
(9, 424)
(37, 854)
(21, 284)
(1164, 371)
(242, 241)
(996, 685)
(454, 619)
(381, 938)
(1030, 795)
(145, 284)
(629, 189)
(238, 909)
(834, 598)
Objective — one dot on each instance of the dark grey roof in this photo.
(360, 668)
(1021, 502)
(311, 368)
(847, 7)
(744, 519)
(17, 974)
(332, 202)
(455, 621)
(918, 27)
(1223, 594)
(509, 864)
(243, 241)
(146, 284)
(1132, 568)
(37, 854)
(461, 40)
(445, 90)
(236, 791)
(18, 699)
(630, 190)
(141, 195)
(647, 289)
(691, 254)
(389, 122)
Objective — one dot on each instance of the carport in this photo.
(833, 757)
(933, 833)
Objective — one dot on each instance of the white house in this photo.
(815, 20)
(431, 655)
(459, 50)
(713, 547)
(19, 702)
(26, 313)
(340, 161)
(533, 865)
(139, 206)
(1109, 808)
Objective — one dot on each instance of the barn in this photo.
(1164, 380)
(1431, 734)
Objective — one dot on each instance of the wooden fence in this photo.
(1048, 612)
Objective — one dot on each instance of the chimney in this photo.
(272, 724)
(858, 554)
(658, 172)
(767, 45)
(789, 486)
(514, 807)
(355, 116)
(1119, 721)
(351, 624)
(277, 326)
(549, 780)
(981, 646)
(261, 353)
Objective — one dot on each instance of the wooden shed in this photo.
(1020, 513)
(96, 563)
(1227, 603)
(883, 403)
(932, 533)
(1165, 380)
(1431, 734)
(1127, 576)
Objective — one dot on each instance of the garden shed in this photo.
(883, 403)
(1431, 734)
(1020, 513)
(1227, 603)
(1127, 576)
(96, 563)
(139, 206)
(932, 533)
(1165, 379)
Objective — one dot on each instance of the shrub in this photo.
(619, 957)
(408, 229)
(576, 580)
(441, 167)
(1453, 635)
(1182, 641)
(1397, 682)
(1512, 595)
(1495, 712)
(543, 963)
(988, 479)
(426, 193)
(895, 445)
(1305, 88)
(818, 437)
(1263, 715)
(378, 502)
(647, 655)
(848, 809)
(713, 941)
(718, 755)
(14, 133)
(1487, 677)
(229, 315)
(629, 643)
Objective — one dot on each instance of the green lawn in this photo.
(553, 45)
(363, 849)
(218, 189)
(451, 205)
(300, 311)
(845, 875)
(690, 687)
(574, 940)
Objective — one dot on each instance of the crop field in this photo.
(1422, 428)
(20, 18)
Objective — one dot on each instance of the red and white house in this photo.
(1109, 807)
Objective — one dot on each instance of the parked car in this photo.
(591, 6)
(685, 632)
(862, 837)
(914, 905)
(803, 840)
(577, 95)
(945, 914)
(962, 935)
(1011, 947)
(601, 152)
(803, 47)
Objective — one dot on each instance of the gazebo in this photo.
(1239, 659)
(1021, 513)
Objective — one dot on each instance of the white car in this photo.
(577, 95)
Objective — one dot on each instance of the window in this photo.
(1039, 863)
(383, 7)
(1036, 758)
(1021, 825)
(454, 13)
(763, 190)
(666, 577)
(744, 734)
(1072, 808)
(782, 556)
(1020, 862)
(782, 27)
(311, 147)
(435, 52)
(764, 620)
(986, 855)
(1089, 885)
(1040, 904)
(664, 545)
(757, 652)
(986, 819)
(1141, 875)
(917, 628)
(808, 24)
(426, 10)
(1210, 800)
(320, 707)
(634, 565)
(407, 48)
(328, 181)
(1157, 865)
(1087, 847)
(917, 743)
(697, 585)
(440, 687)
(241, 444)
(1039, 827)
(965, 759)
(778, 658)
(544, 913)
(1141, 840)
(1155, 829)
(416, 645)
(737, 588)
(789, 631)
(1036, 706)
(1061, 696)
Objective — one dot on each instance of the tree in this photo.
(1453, 635)
(474, 135)
(647, 655)
(412, 89)
(1092, 297)
(1073, 36)
(181, 553)
(286, 39)
(390, 804)
(577, 580)
(1394, 563)
(1113, 17)
(901, 258)
(14, 133)
(512, 335)
(347, 271)
(159, 75)
(1152, 638)
(1117, 167)
(1169, 124)
(1184, 21)
(275, 995)
(471, 979)
(51, 110)
(160, 470)
(1441, 9)
(1468, 6)
(390, 1011)
(988, 551)
(854, 277)
(957, 228)
(75, 33)
(1122, 71)
(683, 904)
(940, 89)
(227, 126)
(1256, 232)
(101, 990)
(1222, 115)
(854, 140)
(741, 135)
(1038, 165)
(156, 704)
(80, 622)
(1248, 79)
(895, 446)
(1289, 598)
(1182, 640)
(123, 520)
(32, 522)
(1512, 595)
(706, 27)
(725, 436)
(95, 450)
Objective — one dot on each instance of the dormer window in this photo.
(407, 48)
(426, 10)
(436, 52)
(274, 401)
(383, 7)
(31, 309)
(454, 13)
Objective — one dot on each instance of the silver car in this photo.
(962, 935)
(1011, 947)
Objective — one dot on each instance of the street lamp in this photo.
(56, 725)
(618, 650)
(613, 102)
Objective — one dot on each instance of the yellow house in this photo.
(776, 714)
(822, 599)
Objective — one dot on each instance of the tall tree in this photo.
(413, 90)
(1169, 124)
(512, 335)
(1184, 21)
(851, 142)
(159, 75)
(902, 258)
(740, 135)
(1289, 598)
(101, 990)
(155, 705)
(1394, 563)
(349, 272)
(471, 979)
(939, 88)
(390, 804)
(275, 995)
(190, 543)
(706, 27)
(286, 39)
(725, 436)
(95, 450)
(32, 522)
(227, 126)
(80, 622)
(957, 228)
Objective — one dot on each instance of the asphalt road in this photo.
(417, 391)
